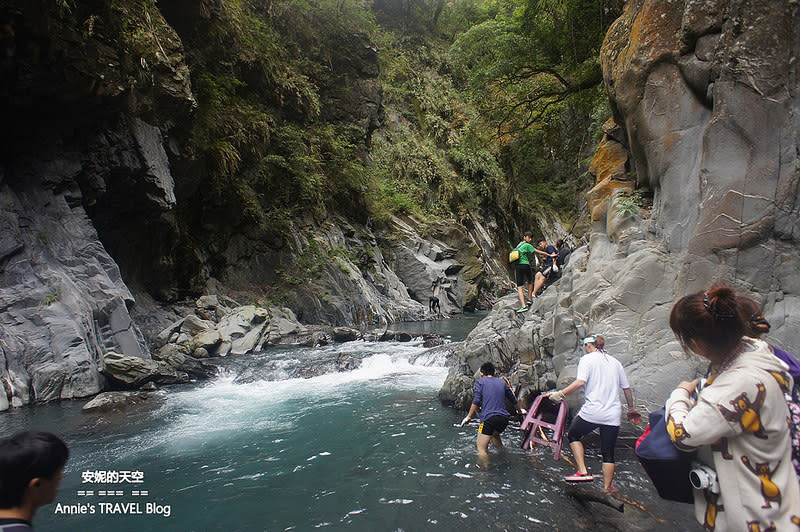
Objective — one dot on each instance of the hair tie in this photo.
(712, 309)
(759, 322)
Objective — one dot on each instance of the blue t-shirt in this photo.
(490, 395)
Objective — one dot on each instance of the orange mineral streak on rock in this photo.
(640, 39)
(608, 167)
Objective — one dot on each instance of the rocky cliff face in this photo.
(63, 301)
(99, 193)
(706, 104)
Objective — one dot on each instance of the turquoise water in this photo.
(456, 329)
(369, 449)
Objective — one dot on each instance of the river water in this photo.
(367, 449)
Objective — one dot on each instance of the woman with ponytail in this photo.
(602, 376)
(744, 479)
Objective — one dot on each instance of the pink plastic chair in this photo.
(533, 423)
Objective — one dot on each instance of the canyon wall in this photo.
(706, 129)
(109, 225)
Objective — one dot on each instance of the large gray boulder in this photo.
(210, 341)
(131, 372)
(177, 357)
(110, 401)
(509, 340)
(243, 330)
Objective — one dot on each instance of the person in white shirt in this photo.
(603, 376)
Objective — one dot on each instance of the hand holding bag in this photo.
(667, 467)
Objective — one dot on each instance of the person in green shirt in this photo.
(523, 272)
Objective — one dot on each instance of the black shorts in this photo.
(608, 436)
(523, 274)
(546, 270)
(493, 425)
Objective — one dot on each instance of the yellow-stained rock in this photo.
(609, 168)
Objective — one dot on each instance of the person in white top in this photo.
(603, 376)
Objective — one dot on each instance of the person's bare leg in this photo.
(530, 291)
(497, 441)
(577, 453)
(608, 474)
(538, 283)
(483, 450)
(521, 293)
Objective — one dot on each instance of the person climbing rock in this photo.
(563, 254)
(434, 305)
(550, 253)
(490, 394)
(603, 376)
(523, 271)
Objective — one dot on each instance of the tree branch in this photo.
(593, 495)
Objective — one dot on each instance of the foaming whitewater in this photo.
(382, 363)
(224, 405)
(200, 415)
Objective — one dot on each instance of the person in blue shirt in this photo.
(490, 394)
(550, 253)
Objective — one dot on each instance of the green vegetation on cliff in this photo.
(259, 73)
(429, 159)
(487, 107)
(277, 114)
(491, 105)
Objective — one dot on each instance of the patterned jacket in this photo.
(739, 425)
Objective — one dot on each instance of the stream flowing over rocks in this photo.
(107, 236)
(107, 240)
(706, 119)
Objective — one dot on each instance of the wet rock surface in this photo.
(705, 99)
(116, 401)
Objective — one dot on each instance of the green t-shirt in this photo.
(526, 251)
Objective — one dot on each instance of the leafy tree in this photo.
(532, 55)
(532, 68)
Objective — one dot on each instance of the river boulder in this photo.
(132, 372)
(209, 340)
(243, 330)
(176, 356)
(108, 401)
